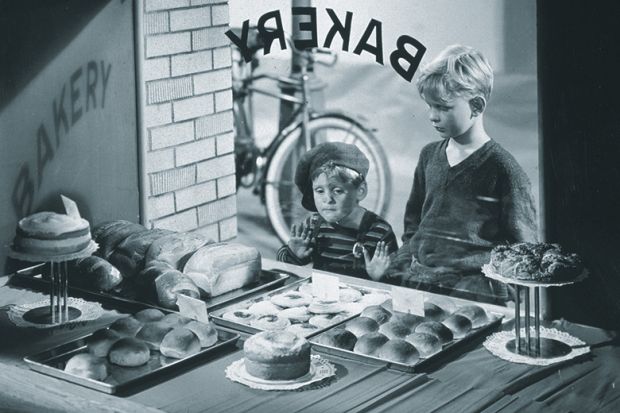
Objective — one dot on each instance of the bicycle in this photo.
(270, 170)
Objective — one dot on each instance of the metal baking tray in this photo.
(52, 362)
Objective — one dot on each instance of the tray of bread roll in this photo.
(294, 308)
(409, 342)
(133, 350)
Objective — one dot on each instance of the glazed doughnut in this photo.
(459, 324)
(352, 308)
(303, 330)
(325, 307)
(349, 295)
(369, 343)
(394, 329)
(398, 350)
(264, 308)
(326, 320)
(337, 337)
(435, 327)
(377, 313)
(291, 299)
(362, 325)
(434, 312)
(427, 344)
(296, 314)
(476, 314)
(270, 322)
(239, 316)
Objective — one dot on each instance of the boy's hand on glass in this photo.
(301, 237)
(378, 265)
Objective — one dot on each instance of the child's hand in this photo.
(378, 265)
(301, 235)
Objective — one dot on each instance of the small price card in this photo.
(193, 308)
(325, 287)
(407, 300)
(70, 207)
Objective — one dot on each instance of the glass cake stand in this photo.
(528, 344)
(58, 311)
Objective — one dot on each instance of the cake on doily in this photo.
(537, 262)
(277, 355)
(50, 233)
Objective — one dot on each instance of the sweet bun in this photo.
(100, 341)
(349, 295)
(435, 327)
(239, 316)
(303, 330)
(434, 312)
(270, 322)
(409, 320)
(264, 308)
(129, 352)
(88, 366)
(127, 326)
(326, 320)
(149, 314)
(362, 325)
(175, 249)
(179, 342)
(296, 314)
(394, 329)
(206, 332)
(368, 344)
(337, 337)
(291, 299)
(175, 320)
(377, 313)
(459, 324)
(276, 355)
(476, 314)
(153, 333)
(427, 344)
(399, 351)
(325, 307)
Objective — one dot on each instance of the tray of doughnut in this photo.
(294, 308)
(134, 350)
(409, 342)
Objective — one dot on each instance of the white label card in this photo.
(70, 207)
(193, 308)
(407, 300)
(325, 287)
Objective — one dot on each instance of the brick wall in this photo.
(187, 117)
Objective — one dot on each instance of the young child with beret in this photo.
(339, 235)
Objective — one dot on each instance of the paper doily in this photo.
(92, 247)
(320, 369)
(490, 273)
(89, 311)
(496, 344)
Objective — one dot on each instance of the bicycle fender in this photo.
(360, 120)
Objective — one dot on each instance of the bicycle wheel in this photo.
(283, 199)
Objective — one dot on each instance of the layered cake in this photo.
(277, 355)
(49, 233)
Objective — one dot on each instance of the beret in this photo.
(342, 154)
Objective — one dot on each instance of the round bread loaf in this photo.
(175, 249)
(377, 313)
(88, 366)
(476, 314)
(277, 355)
(175, 320)
(394, 329)
(459, 324)
(427, 344)
(110, 234)
(296, 314)
(337, 337)
(129, 255)
(435, 327)
(362, 325)
(326, 320)
(153, 333)
(369, 343)
(206, 332)
(303, 330)
(127, 326)
(96, 273)
(100, 341)
(149, 314)
(129, 352)
(264, 308)
(291, 299)
(180, 342)
(399, 351)
(270, 322)
(434, 312)
(324, 307)
(409, 320)
(239, 316)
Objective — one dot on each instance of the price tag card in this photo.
(70, 207)
(193, 308)
(407, 300)
(325, 287)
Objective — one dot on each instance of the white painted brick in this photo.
(193, 107)
(159, 160)
(226, 186)
(191, 63)
(228, 228)
(172, 179)
(209, 231)
(223, 100)
(156, 68)
(155, 115)
(195, 195)
(156, 23)
(225, 143)
(211, 81)
(168, 89)
(196, 151)
(216, 168)
(201, 2)
(171, 135)
(167, 44)
(190, 18)
(210, 38)
(152, 5)
(214, 124)
(219, 14)
(217, 211)
(181, 222)
(221, 58)
(160, 206)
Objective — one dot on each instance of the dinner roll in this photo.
(377, 313)
(206, 332)
(435, 327)
(476, 314)
(88, 366)
(337, 337)
(153, 333)
(129, 352)
(175, 320)
(459, 324)
(394, 329)
(149, 314)
(126, 326)
(427, 344)
(399, 351)
(362, 325)
(369, 343)
(100, 341)
(180, 342)
(409, 320)
(434, 312)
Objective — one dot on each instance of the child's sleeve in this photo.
(518, 217)
(285, 254)
(413, 210)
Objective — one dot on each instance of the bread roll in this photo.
(171, 283)
(126, 326)
(399, 351)
(337, 337)
(407, 319)
(96, 274)
(434, 312)
(377, 313)
(153, 333)
(88, 366)
(110, 234)
(362, 325)
(149, 314)
(427, 344)
(179, 343)
(175, 249)
(476, 314)
(128, 256)
(100, 341)
(369, 343)
(175, 320)
(434, 327)
(206, 332)
(129, 352)
(394, 329)
(222, 267)
(459, 324)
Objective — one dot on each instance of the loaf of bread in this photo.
(111, 233)
(222, 267)
(175, 249)
(95, 273)
(129, 255)
(171, 283)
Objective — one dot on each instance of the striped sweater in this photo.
(333, 245)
